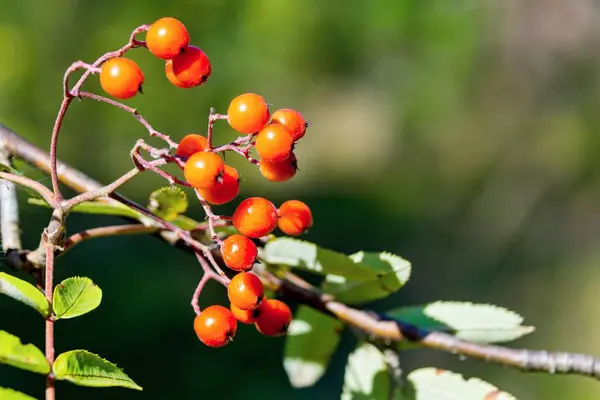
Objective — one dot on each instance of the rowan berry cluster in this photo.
(272, 136)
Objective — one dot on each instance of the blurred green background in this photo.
(462, 135)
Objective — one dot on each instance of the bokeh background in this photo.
(462, 135)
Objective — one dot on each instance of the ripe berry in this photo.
(239, 252)
(215, 326)
(121, 78)
(274, 319)
(167, 37)
(191, 144)
(189, 68)
(279, 171)
(248, 113)
(292, 120)
(245, 291)
(255, 217)
(295, 217)
(274, 143)
(224, 190)
(203, 170)
(245, 316)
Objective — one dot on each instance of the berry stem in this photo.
(211, 218)
(212, 118)
(54, 144)
(31, 184)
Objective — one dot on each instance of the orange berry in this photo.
(239, 252)
(245, 316)
(245, 291)
(215, 326)
(167, 37)
(292, 120)
(189, 68)
(295, 217)
(279, 171)
(274, 143)
(121, 78)
(224, 190)
(203, 170)
(274, 319)
(248, 113)
(191, 144)
(255, 217)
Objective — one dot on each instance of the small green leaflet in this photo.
(392, 273)
(96, 207)
(9, 394)
(484, 323)
(312, 339)
(366, 376)
(74, 297)
(168, 202)
(437, 384)
(86, 369)
(24, 356)
(24, 292)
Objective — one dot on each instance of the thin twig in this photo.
(106, 231)
(48, 288)
(31, 184)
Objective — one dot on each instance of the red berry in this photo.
(189, 68)
(248, 113)
(279, 171)
(203, 170)
(292, 120)
(239, 252)
(191, 144)
(274, 143)
(224, 190)
(245, 291)
(215, 326)
(121, 78)
(255, 217)
(167, 37)
(295, 217)
(245, 316)
(274, 319)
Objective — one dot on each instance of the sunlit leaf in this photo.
(366, 376)
(74, 297)
(168, 202)
(483, 323)
(9, 394)
(86, 369)
(311, 341)
(24, 292)
(96, 207)
(392, 272)
(24, 356)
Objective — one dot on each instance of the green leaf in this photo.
(366, 376)
(392, 273)
(308, 256)
(484, 323)
(186, 223)
(24, 292)
(168, 202)
(74, 297)
(8, 168)
(86, 369)
(437, 384)
(24, 356)
(9, 394)
(311, 341)
(96, 207)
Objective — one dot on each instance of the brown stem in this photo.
(54, 144)
(48, 287)
(106, 231)
(31, 184)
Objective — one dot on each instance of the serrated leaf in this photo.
(9, 394)
(392, 273)
(87, 369)
(437, 384)
(311, 341)
(96, 207)
(74, 297)
(484, 323)
(168, 202)
(24, 292)
(24, 356)
(308, 256)
(366, 376)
